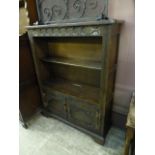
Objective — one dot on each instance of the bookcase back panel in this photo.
(76, 48)
(76, 74)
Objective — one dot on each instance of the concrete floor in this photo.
(48, 136)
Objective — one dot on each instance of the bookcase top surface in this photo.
(82, 23)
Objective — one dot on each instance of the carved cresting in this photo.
(53, 9)
(77, 8)
(59, 10)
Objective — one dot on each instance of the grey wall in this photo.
(125, 79)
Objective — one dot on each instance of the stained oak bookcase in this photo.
(75, 66)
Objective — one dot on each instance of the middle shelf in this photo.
(74, 62)
(81, 91)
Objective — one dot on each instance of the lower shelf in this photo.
(84, 92)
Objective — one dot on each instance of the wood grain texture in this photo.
(29, 95)
(77, 48)
(31, 7)
(85, 92)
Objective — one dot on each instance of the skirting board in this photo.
(121, 103)
(119, 120)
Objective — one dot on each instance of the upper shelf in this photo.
(74, 62)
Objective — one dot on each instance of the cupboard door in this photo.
(56, 104)
(83, 114)
(29, 94)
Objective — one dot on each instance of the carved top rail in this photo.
(74, 29)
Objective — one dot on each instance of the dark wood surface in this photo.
(32, 11)
(85, 92)
(72, 86)
(29, 94)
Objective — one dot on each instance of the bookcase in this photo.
(75, 65)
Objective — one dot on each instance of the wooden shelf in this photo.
(73, 62)
(84, 92)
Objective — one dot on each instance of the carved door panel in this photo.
(83, 114)
(56, 104)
